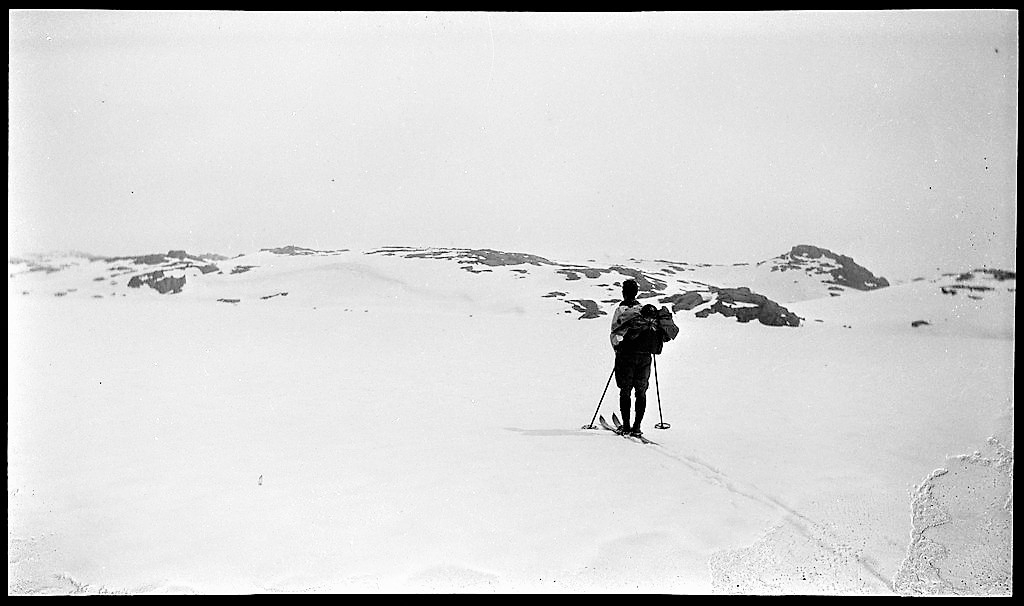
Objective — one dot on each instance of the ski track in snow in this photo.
(794, 519)
(972, 512)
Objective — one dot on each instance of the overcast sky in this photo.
(888, 136)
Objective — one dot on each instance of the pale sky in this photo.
(889, 136)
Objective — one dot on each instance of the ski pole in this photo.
(663, 424)
(592, 426)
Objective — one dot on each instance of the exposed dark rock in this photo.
(952, 288)
(1000, 274)
(571, 272)
(228, 300)
(847, 274)
(683, 301)
(277, 294)
(917, 323)
(997, 274)
(746, 306)
(646, 285)
(180, 254)
(292, 250)
(150, 259)
(482, 256)
(773, 314)
(497, 257)
(241, 269)
(158, 282)
(588, 308)
(33, 266)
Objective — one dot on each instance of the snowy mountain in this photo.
(409, 420)
(580, 289)
(775, 292)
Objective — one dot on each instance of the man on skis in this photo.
(638, 332)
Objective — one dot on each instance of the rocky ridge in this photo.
(589, 290)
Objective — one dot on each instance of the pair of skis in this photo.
(618, 430)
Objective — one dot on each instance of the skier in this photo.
(638, 332)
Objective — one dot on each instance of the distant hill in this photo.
(462, 279)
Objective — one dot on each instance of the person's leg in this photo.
(624, 406)
(641, 379)
(641, 406)
(624, 369)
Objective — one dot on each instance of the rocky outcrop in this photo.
(587, 307)
(977, 283)
(158, 282)
(490, 257)
(648, 285)
(573, 273)
(155, 259)
(174, 259)
(299, 251)
(745, 306)
(849, 273)
(683, 301)
(480, 256)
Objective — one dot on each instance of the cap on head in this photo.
(629, 288)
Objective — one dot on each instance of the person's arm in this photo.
(616, 335)
(621, 322)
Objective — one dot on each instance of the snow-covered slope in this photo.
(514, 282)
(405, 420)
(977, 303)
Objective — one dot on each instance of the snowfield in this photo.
(391, 425)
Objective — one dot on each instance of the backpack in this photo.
(649, 329)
